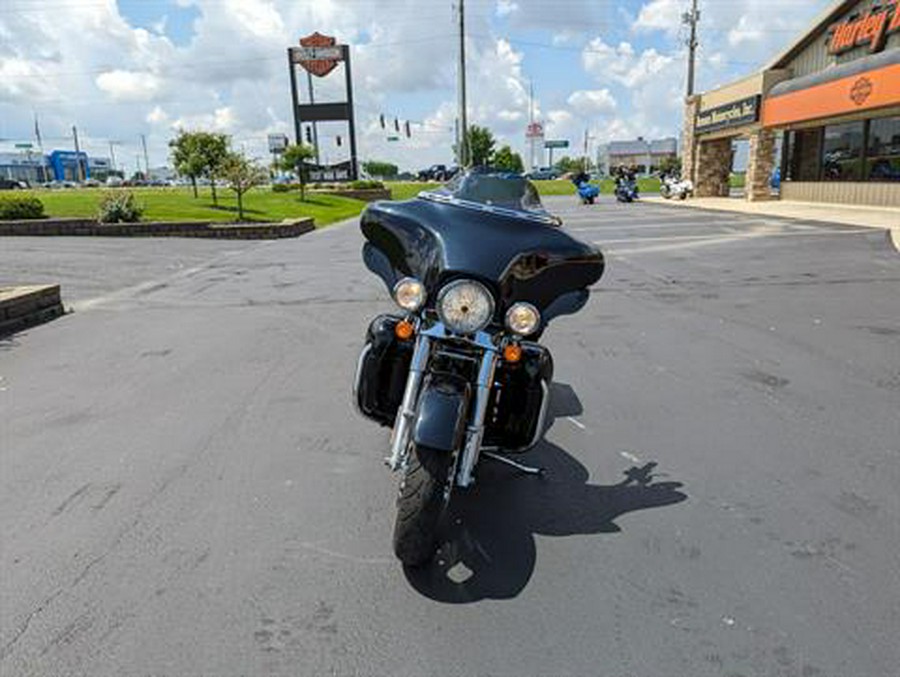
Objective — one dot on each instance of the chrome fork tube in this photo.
(475, 431)
(407, 410)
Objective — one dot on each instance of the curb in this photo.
(90, 227)
(24, 307)
(893, 237)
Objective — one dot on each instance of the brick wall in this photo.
(713, 168)
(688, 144)
(760, 164)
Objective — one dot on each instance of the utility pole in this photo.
(112, 157)
(586, 141)
(146, 157)
(78, 175)
(691, 19)
(464, 150)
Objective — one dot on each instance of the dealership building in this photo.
(830, 103)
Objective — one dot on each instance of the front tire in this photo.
(420, 504)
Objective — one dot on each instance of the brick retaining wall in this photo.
(23, 307)
(90, 227)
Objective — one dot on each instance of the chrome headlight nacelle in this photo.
(465, 306)
(410, 294)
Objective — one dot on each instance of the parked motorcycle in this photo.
(674, 186)
(478, 268)
(587, 192)
(626, 189)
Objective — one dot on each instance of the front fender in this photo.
(442, 412)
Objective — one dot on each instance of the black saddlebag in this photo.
(515, 413)
(382, 371)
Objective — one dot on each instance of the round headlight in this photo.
(409, 294)
(465, 306)
(523, 319)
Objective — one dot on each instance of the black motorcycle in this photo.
(478, 269)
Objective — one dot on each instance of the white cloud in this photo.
(506, 7)
(70, 60)
(130, 85)
(588, 103)
(660, 15)
(745, 31)
(157, 116)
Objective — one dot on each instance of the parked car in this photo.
(439, 173)
(544, 174)
(13, 184)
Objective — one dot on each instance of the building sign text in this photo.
(733, 114)
(872, 29)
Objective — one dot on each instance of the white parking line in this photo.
(693, 241)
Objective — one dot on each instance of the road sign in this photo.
(534, 130)
(393, 138)
(561, 143)
(277, 143)
(25, 145)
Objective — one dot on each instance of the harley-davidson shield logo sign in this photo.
(862, 90)
(319, 54)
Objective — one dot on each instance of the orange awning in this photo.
(868, 90)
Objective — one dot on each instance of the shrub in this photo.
(119, 208)
(16, 208)
(280, 187)
(366, 185)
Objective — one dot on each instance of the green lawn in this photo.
(406, 190)
(564, 187)
(179, 204)
(260, 204)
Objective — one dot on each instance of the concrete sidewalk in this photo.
(853, 215)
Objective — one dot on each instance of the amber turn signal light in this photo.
(512, 352)
(404, 330)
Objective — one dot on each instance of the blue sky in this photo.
(122, 69)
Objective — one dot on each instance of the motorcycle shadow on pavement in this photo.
(487, 539)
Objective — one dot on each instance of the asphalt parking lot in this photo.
(185, 488)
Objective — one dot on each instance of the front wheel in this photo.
(420, 503)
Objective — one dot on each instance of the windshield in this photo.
(492, 190)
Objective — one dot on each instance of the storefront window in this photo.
(802, 152)
(842, 152)
(883, 155)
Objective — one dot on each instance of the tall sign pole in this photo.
(354, 171)
(691, 19)
(295, 100)
(319, 55)
(315, 125)
(464, 150)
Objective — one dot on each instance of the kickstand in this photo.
(528, 470)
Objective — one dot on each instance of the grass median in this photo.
(179, 204)
(260, 205)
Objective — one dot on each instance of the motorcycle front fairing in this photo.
(519, 255)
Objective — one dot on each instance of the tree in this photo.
(294, 160)
(185, 157)
(670, 164)
(242, 175)
(569, 165)
(508, 160)
(481, 145)
(213, 149)
(383, 170)
(199, 154)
